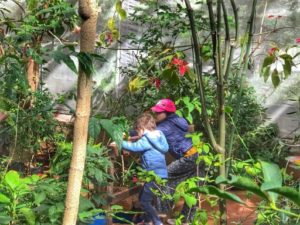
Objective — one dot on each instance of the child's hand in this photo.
(133, 138)
(113, 144)
(114, 147)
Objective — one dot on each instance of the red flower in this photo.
(270, 16)
(177, 62)
(134, 179)
(157, 83)
(297, 40)
(272, 50)
(183, 69)
(181, 64)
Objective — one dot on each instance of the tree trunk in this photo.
(33, 74)
(88, 12)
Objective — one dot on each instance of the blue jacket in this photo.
(175, 128)
(153, 146)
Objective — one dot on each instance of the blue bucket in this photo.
(99, 220)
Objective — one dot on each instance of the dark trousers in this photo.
(178, 171)
(146, 198)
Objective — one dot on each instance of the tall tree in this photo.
(222, 58)
(88, 11)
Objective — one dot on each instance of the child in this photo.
(152, 147)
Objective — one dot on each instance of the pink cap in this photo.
(164, 105)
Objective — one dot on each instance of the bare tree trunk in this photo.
(33, 74)
(88, 12)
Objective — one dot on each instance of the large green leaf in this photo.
(39, 197)
(85, 204)
(59, 56)
(86, 63)
(212, 190)
(287, 68)
(94, 127)
(244, 183)
(275, 78)
(288, 192)
(120, 10)
(12, 178)
(190, 200)
(266, 73)
(5, 219)
(113, 131)
(268, 61)
(4, 198)
(29, 215)
(272, 178)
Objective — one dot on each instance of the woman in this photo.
(181, 148)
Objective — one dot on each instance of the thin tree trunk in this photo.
(33, 74)
(198, 65)
(88, 12)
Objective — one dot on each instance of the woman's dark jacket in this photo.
(175, 128)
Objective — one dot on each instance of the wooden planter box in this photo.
(122, 193)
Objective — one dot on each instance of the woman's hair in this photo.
(145, 121)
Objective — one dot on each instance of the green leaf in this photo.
(286, 57)
(12, 178)
(70, 63)
(288, 192)
(118, 5)
(5, 219)
(4, 198)
(111, 24)
(268, 61)
(123, 14)
(94, 127)
(171, 76)
(275, 78)
(98, 57)
(228, 109)
(117, 208)
(85, 204)
(113, 131)
(59, 56)
(86, 63)
(272, 178)
(39, 197)
(31, 4)
(190, 200)
(266, 73)
(287, 68)
(212, 190)
(29, 215)
(244, 183)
